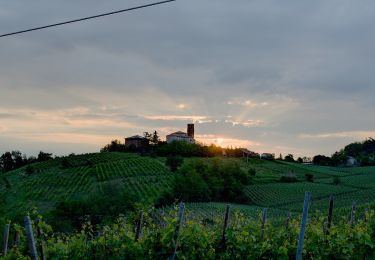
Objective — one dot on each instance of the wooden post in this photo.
(303, 225)
(40, 236)
(30, 238)
(226, 222)
(138, 230)
(16, 239)
(6, 239)
(352, 214)
(288, 219)
(330, 215)
(180, 219)
(264, 218)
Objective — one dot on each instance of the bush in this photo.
(174, 162)
(309, 177)
(290, 177)
(252, 172)
(336, 180)
(29, 170)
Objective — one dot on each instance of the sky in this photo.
(272, 76)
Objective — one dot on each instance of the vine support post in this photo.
(330, 215)
(180, 219)
(303, 225)
(264, 219)
(16, 239)
(288, 219)
(30, 238)
(138, 230)
(352, 214)
(40, 236)
(225, 227)
(6, 239)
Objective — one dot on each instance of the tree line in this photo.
(15, 159)
(362, 153)
(157, 147)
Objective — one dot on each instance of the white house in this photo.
(181, 136)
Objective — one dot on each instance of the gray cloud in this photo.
(311, 62)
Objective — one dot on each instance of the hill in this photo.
(100, 177)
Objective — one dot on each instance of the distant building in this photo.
(267, 156)
(181, 136)
(137, 142)
(248, 153)
(351, 162)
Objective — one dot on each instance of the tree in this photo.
(322, 160)
(300, 160)
(6, 161)
(114, 146)
(42, 156)
(289, 158)
(155, 138)
(18, 159)
(147, 135)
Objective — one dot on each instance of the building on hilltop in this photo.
(136, 141)
(267, 156)
(181, 136)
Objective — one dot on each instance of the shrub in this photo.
(309, 177)
(252, 172)
(174, 162)
(29, 170)
(336, 180)
(289, 177)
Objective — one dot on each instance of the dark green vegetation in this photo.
(210, 180)
(104, 185)
(99, 187)
(244, 239)
(362, 152)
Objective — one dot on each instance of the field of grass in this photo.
(148, 178)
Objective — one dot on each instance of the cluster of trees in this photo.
(15, 159)
(363, 152)
(184, 149)
(212, 180)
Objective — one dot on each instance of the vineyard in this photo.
(230, 235)
(147, 178)
(91, 176)
(87, 174)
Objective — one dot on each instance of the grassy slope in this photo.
(147, 177)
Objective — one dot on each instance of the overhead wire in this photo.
(85, 18)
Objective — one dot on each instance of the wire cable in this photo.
(86, 18)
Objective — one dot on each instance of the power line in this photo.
(86, 18)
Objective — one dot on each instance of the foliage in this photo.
(289, 158)
(213, 180)
(289, 177)
(29, 170)
(99, 208)
(336, 180)
(322, 160)
(114, 146)
(309, 177)
(173, 162)
(198, 241)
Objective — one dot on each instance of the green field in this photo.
(148, 178)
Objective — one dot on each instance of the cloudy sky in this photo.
(274, 76)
